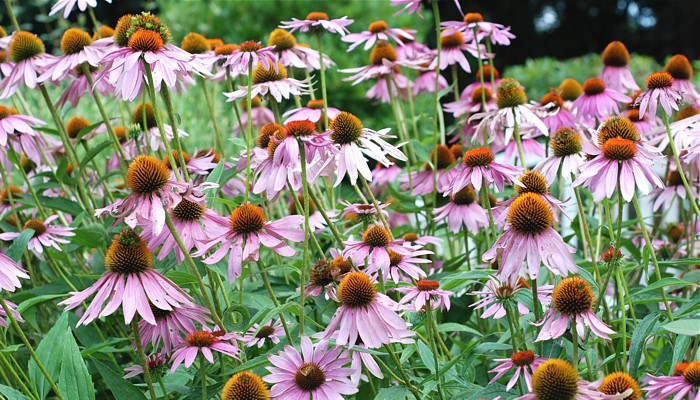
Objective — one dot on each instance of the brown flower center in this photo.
(315, 104)
(264, 332)
(685, 112)
(245, 385)
(617, 126)
(195, 43)
(356, 290)
(266, 73)
(565, 141)
(247, 218)
(679, 67)
(249, 46)
(340, 265)
(534, 183)
(25, 45)
(659, 80)
(464, 197)
(593, 86)
(74, 40)
(616, 55)
(619, 149)
(104, 31)
(14, 191)
(225, 50)
(128, 254)
(691, 373)
(510, 94)
(209, 152)
(619, 382)
(146, 175)
(6, 111)
(201, 339)
(473, 17)
(75, 125)
(293, 206)
(317, 16)
(552, 97)
(555, 380)
(37, 225)
(187, 210)
(530, 214)
(321, 273)
(573, 296)
(570, 89)
(120, 132)
(480, 92)
(488, 71)
(345, 128)
(479, 157)
(282, 40)
(138, 116)
(425, 285)
(309, 377)
(523, 358)
(452, 41)
(300, 128)
(394, 258)
(145, 40)
(376, 236)
(410, 237)
(121, 30)
(382, 50)
(445, 158)
(267, 131)
(378, 27)
(176, 157)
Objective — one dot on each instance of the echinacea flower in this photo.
(130, 281)
(424, 292)
(597, 102)
(317, 23)
(204, 341)
(27, 51)
(623, 161)
(146, 44)
(251, 53)
(10, 272)
(558, 116)
(365, 315)
(532, 182)
(324, 274)
(79, 87)
(463, 211)
(245, 385)
(557, 379)
(313, 111)
(155, 363)
(245, 231)
(566, 154)
(684, 384)
(45, 234)
(152, 192)
(497, 33)
(170, 324)
(620, 382)
(260, 335)
(570, 90)
(682, 72)
(272, 81)
(68, 5)
(530, 238)
(523, 362)
(499, 293)
(615, 73)
(315, 373)
(297, 55)
(364, 212)
(572, 301)
(354, 141)
(18, 132)
(13, 310)
(425, 81)
(473, 103)
(78, 48)
(414, 239)
(660, 90)
(411, 6)
(453, 47)
(424, 181)
(375, 247)
(674, 189)
(403, 265)
(513, 110)
(478, 167)
(644, 125)
(377, 30)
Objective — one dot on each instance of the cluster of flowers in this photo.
(605, 136)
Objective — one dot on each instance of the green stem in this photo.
(518, 141)
(165, 92)
(433, 348)
(574, 344)
(330, 224)
(11, 14)
(142, 358)
(249, 129)
(212, 115)
(203, 372)
(376, 204)
(275, 302)
(324, 96)
(402, 372)
(623, 317)
(672, 143)
(307, 233)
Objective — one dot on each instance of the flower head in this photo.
(463, 211)
(245, 385)
(479, 167)
(424, 292)
(660, 90)
(27, 52)
(685, 383)
(205, 341)
(615, 73)
(597, 101)
(259, 335)
(318, 23)
(523, 362)
(45, 234)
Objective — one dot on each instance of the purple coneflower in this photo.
(252, 53)
(403, 264)
(425, 81)
(557, 379)
(152, 191)
(204, 341)
(660, 90)
(325, 274)
(532, 182)
(130, 281)
(682, 72)
(558, 116)
(684, 384)
(497, 33)
(499, 291)
(170, 324)
(383, 176)
(478, 166)
(245, 385)
(27, 52)
(530, 238)
(272, 81)
(463, 211)
(243, 233)
(79, 87)
(45, 235)
(572, 300)
(643, 124)
(674, 189)
(312, 112)
(472, 103)
(597, 101)
(297, 55)
(18, 131)
(354, 141)
(365, 315)
(259, 335)
(411, 6)
(618, 149)
(524, 363)
(318, 23)
(317, 372)
(154, 363)
(453, 47)
(375, 247)
(615, 73)
(10, 272)
(78, 48)
(378, 30)
(423, 292)
(566, 154)
(67, 6)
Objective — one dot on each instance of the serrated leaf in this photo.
(12, 394)
(639, 338)
(120, 387)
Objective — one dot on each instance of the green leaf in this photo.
(87, 130)
(74, 380)
(396, 392)
(90, 236)
(663, 282)
(688, 327)
(214, 177)
(679, 349)
(639, 338)
(426, 356)
(11, 394)
(50, 353)
(19, 245)
(31, 302)
(120, 387)
(61, 204)
(94, 152)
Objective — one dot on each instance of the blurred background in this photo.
(556, 39)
